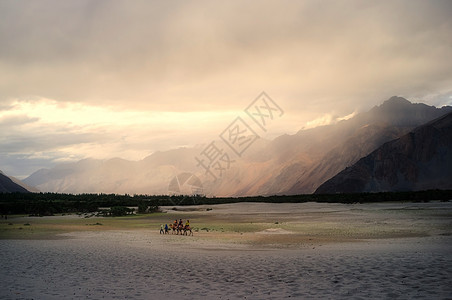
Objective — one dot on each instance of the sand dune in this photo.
(141, 264)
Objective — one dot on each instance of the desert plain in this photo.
(396, 250)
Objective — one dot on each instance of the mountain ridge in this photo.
(369, 130)
(419, 160)
(11, 185)
(289, 164)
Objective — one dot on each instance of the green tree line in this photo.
(52, 203)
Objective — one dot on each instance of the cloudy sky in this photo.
(123, 79)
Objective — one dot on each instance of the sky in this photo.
(101, 79)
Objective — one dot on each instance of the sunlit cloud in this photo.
(320, 121)
(78, 130)
(327, 119)
(111, 78)
(349, 116)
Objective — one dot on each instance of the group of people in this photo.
(176, 225)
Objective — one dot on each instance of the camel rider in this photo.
(180, 223)
(187, 224)
(175, 224)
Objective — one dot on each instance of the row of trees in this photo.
(52, 203)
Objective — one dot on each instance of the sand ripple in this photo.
(113, 265)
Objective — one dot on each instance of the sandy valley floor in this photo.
(240, 251)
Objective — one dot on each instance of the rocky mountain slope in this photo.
(419, 160)
(289, 164)
(332, 148)
(8, 185)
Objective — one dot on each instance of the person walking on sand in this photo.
(166, 228)
(161, 229)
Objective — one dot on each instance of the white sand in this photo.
(146, 265)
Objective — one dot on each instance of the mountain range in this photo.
(419, 160)
(290, 164)
(9, 184)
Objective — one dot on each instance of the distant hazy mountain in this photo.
(24, 185)
(347, 141)
(290, 164)
(148, 176)
(419, 160)
(297, 164)
(7, 185)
